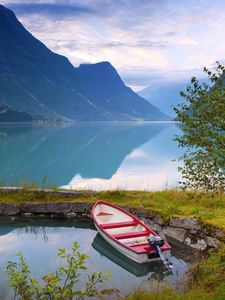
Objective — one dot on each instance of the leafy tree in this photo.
(203, 123)
(54, 286)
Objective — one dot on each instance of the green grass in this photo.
(208, 207)
(206, 281)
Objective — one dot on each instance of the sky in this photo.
(147, 41)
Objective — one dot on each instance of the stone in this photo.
(159, 221)
(78, 207)
(51, 208)
(141, 212)
(154, 226)
(219, 233)
(177, 234)
(212, 242)
(89, 207)
(194, 231)
(199, 245)
(186, 223)
(28, 214)
(9, 209)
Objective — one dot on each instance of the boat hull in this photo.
(139, 258)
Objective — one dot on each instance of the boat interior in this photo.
(123, 227)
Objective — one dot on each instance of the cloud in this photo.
(136, 154)
(56, 9)
(145, 40)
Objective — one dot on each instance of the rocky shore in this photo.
(189, 231)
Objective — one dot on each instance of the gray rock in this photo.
(154, 226)
(51, 208)
(78, 207)
(194, 231)
(28, 214)
(218, 233)
(9, 209)
(159, 221)
(177, 234)
(212, 242)
(200, 244)
(141, 212)
(186, 223)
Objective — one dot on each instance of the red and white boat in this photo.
(127, 234)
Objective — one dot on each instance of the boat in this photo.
(128, 235)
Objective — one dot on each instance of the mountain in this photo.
(9, 115)
(37, 81)
(166, 95)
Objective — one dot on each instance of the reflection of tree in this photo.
(35, 226)
(35, 230)
(91, 150)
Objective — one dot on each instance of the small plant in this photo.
(59, 285)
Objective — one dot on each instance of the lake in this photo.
(99, 156)
(39, 238)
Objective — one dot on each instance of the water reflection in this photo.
(38, 240)
(90, 155)
(134, 268)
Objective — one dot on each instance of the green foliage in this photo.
(55, 286)
(206, 281)
(203, 123)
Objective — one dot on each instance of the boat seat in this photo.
(102, 213)
(118, 224)
(139, 248)
(129, 235)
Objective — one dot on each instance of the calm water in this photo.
(91, 155)
(39, 239)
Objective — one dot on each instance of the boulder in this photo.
(186, 223)
(9, 209)
(177, 234)
(198, 244)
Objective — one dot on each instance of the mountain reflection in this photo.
(90, 150)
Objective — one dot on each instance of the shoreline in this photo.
(77, 122)
(190, 231)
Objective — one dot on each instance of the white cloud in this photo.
(161, 36)
(137, 153)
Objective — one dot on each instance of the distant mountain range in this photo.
(9, 115)
(166, 95)
(43, 84)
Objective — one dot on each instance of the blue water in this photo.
(91, 155)
(39, 238)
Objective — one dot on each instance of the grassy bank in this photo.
(208, 207)
(207, 279)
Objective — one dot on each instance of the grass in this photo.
(208, 207)
(206, 281)
(207, 278)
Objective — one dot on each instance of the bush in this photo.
(54, 286)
